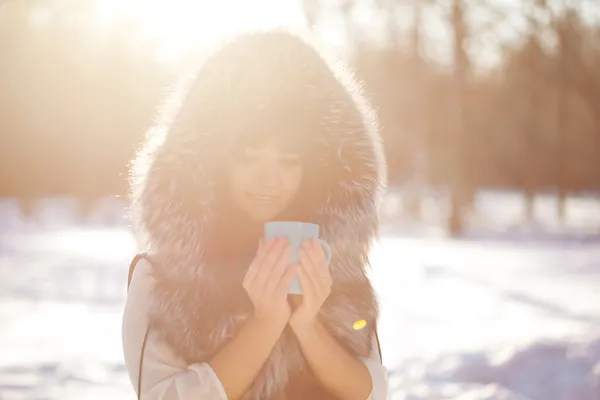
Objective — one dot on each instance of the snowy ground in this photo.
(511, 311)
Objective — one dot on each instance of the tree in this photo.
(461, 189)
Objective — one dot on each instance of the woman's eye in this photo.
(251, 156)
(247, 156)
(290, 161)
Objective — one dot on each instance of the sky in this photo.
(178, 21)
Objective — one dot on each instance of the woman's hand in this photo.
(239, 362)
(267, 282)
(315, 280)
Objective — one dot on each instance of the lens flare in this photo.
(360, 324)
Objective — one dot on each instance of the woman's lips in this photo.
(263, 198)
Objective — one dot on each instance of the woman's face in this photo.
(264, 181)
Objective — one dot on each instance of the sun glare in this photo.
(179, 23)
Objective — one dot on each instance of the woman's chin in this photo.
(262, 216)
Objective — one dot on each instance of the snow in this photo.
(510, 311)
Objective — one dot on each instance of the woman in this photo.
(267, 130)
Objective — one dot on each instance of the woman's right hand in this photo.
(267, 282)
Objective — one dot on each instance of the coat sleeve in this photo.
(379, 375)
(164, 375)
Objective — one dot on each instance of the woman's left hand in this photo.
(315, 280)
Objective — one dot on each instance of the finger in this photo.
(318, 281)
(283, 286)
(256, 265)
(271, 255)
(307, 263)
(320, 267)
(251, 273)
(278, 271)
(282, 263)
(265, 247)
(315, 253)
(308, 285)
(270, 259)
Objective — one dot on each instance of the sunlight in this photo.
(180, 23)
(40, 16)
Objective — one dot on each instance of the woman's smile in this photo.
(264, 181)
(262, 198)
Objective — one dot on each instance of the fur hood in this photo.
(174, 176)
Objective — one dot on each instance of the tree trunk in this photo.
(459, 185)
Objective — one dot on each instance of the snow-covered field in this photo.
(510, 311)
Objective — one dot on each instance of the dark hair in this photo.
(285, 118)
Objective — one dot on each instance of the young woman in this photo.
(267, 130)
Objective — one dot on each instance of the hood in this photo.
(174, 174)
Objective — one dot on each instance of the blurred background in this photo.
(488, 269)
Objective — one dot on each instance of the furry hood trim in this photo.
(174, 175)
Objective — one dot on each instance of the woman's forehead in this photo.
(282, 142)
(269, 147)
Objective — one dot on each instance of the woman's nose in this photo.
(269, 176)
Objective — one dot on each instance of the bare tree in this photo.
(460, 190)
(561, 119)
